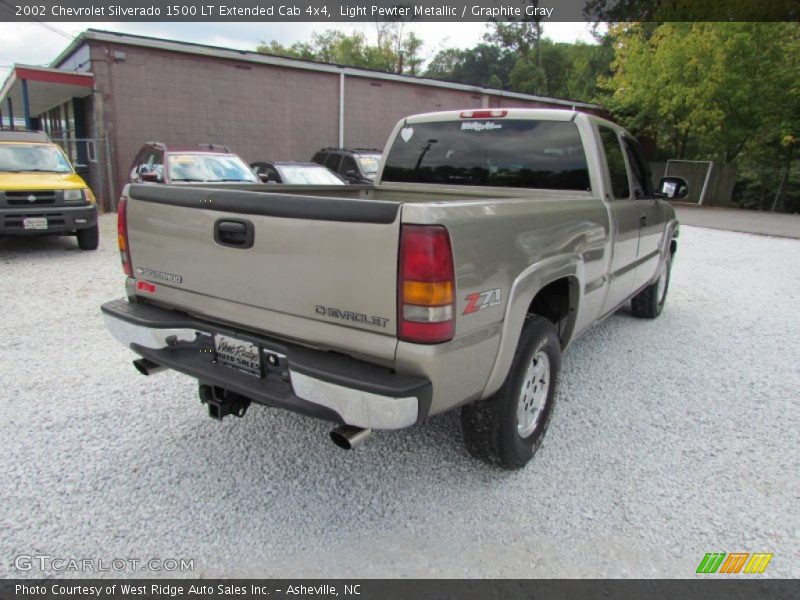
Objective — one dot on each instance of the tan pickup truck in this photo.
(490, 240)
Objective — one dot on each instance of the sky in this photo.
(40, 43)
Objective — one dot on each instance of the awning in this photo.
(35, 90)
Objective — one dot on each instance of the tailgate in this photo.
(292, 265)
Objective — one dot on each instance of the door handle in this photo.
(643, 220)
(234, 233)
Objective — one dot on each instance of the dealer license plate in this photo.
(238, 354)
(34, 223)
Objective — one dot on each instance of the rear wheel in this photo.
(649, 303)
(507, 428)
(89, 238)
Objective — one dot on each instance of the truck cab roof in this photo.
(549, 114)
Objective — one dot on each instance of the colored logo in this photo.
(482, 300)
(736, 562)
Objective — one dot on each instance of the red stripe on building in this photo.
(80, 79)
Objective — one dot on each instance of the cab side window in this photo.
(153, 162)
(137, 165)
(274, 176)
(617, 171)
(158, 164)
(642, 187)
(332, 162)
(348, 164)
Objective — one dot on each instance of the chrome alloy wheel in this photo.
(533, 394)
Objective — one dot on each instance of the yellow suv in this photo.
(40, 192)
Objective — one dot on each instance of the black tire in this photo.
(649, 303)
(491, 426)
(89, 238)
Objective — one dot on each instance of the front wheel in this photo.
(89, 238)
(507, 428)
(649, 303)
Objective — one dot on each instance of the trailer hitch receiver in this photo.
(222, 402)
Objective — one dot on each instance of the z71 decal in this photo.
(480, 300)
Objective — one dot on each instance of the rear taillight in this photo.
(122, 236)
(425, 285)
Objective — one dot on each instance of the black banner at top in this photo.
(399, 10)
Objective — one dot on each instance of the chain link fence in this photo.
(95, 155)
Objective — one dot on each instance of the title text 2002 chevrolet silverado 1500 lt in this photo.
(490, 241)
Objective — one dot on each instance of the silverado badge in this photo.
(153, 274)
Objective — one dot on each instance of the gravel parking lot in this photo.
(670, 439)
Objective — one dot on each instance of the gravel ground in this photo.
(670, 439)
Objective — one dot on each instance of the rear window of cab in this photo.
(506, 153)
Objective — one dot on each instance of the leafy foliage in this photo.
(394, 51)
(509, 61)
(728, 92)
(628, 11)
(476, 66)
(711, 90)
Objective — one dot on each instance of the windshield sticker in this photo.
(480, 125)
(407, 133)
(182, 159)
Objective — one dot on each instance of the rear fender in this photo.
(672, 232)
(523, 291)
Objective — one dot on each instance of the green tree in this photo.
(444, 64)
(523, 37)
(297, 50)
(353, 49)
(587, 64)
(649, 11)
(411, 49)
(527, 78)
(706, 90)
(480, 65)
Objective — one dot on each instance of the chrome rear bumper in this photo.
(320, 384)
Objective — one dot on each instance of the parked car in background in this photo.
(296, 173)
(206, 163)
(41, 193)
(358, 165)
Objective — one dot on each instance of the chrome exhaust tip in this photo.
(348, 437)
(148, 367)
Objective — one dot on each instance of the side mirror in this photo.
(81, 169)
(264, 177)
(673, 187)
(150, 177)
(351, 176)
